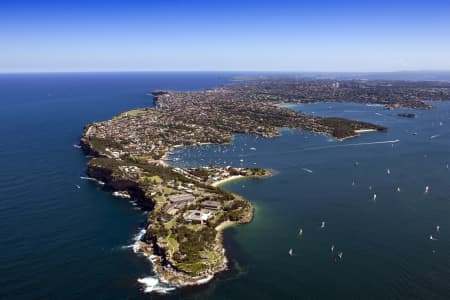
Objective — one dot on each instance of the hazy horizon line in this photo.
(226, 71)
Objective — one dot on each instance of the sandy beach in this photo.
(225, 225)
(231, 178)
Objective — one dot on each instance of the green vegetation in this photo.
(159, 199)
(190, 244)
(345, 128)
(172, 244)
(101, 144)
(200, 172)
(157, 174)
(155, 179)
(108, 163)
(168, 191)
(133, 112)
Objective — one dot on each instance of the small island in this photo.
(188, 209)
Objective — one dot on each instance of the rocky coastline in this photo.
(149, 245)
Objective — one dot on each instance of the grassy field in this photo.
(159, 199)
(133, 112)
(168, 190)
(173, 245)
(156, 179)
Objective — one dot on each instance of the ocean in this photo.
(59, 241)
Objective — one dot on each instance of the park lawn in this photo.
(172, 244)
(168, 190)
(156, 179)
(133, 112)
(159, 199)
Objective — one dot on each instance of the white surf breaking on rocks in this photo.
(151, 284)
(92, 179)
(136, 239)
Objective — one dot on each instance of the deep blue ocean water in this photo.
(61, 242)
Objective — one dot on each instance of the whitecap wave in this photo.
(92, 179)
(152, 284)
(137, 238)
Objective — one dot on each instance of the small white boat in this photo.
(427, 189)
(291, 252)
(78, 187)
(374, 197)
(332, 248)
(388, 171)
(307, 170)
(340, 255)
(438, 228)
(322, 225)
(398, 189)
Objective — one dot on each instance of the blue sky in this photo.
(210, 35)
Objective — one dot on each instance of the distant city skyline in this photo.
(292, 36)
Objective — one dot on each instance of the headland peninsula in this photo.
(188, 209)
